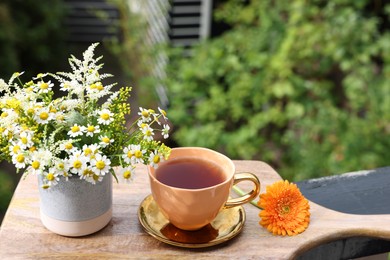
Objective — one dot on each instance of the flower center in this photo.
(20, 158)
(4, 114)
(50, 176)
(91, 128)
(106, 140)
(68, 146)
(100, 165)
(77, 164)
(129, 154)
(35, 164)
(87, 151)
(44, 116)
(75, 128)
(156, 159)
(24, 140)
(44, 85)
(138, 154)
(127, 174)
(105, 116)
(285, 209)
(145, 113)
(16, 148)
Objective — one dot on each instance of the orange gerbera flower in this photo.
(285, 209)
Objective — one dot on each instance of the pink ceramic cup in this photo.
(192, 209)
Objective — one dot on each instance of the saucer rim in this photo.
(238, 227)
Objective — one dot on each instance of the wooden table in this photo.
(22, 235)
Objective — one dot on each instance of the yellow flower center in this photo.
(87, 151)
(50, 176)
(127, 174)
(4, 114)
(93, 86)
(129, 154)
(35, 165)
(138, 154)
(68, 146)
(145, 113)
(32, 149)
(148, 133)
(44, 115)
(44, 85)
(105, 116)
(16, 148)
(91, 128)
(24, 140)
(77, 164)
(156, 159)
(95, 177)
(20, 158)
(106, 140)
(285, 209)
(87, 172)
(75, 128)
(100, 165)
(61, 166)
(30, 111)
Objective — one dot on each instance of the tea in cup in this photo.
(194, 184)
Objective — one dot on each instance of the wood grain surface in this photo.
(22, 235)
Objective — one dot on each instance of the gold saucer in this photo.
(227, 224)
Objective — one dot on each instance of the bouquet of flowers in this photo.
(83, 133)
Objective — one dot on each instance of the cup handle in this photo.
(239, 177)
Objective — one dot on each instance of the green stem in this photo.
(240, 192)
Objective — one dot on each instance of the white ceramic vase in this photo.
(75, 207)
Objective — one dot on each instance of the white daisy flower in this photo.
(105, 117)
(105, 141)
(165, 131)
(43, 115)
(127, 173)
(90, 150)
(68, 147)
(61, 169)
(101, 164)
(77, 163)
(155, 158)
(44, 87)
(146, 114)
(137, 154)
(148, 133)
(15, 149)
(25, 139)
(163, 113)
(76, 130)
(20, 160)
(92, 129)
(51, 177)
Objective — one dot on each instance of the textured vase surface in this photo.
(76, 207)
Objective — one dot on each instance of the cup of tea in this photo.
(194, 184)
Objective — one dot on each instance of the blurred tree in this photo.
(302, 85)
(32, 36)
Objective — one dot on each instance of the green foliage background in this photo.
(302, 85)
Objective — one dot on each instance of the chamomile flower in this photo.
(127, 173)
(105, 117)
(92, 129)
(76, 130)
(138, 154)
(20, 160)
(146, 115)
(148, 133)
(90, 150)
(101, 164)
(25, 139)
(128, 154)
(165, 131)
(77, 163)
(43, 115)
(15, 149)
(51, 177)
(62, 170)
(155, 158)
(105, 141)
(163, 113)
(44, 87)
(68, 147)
